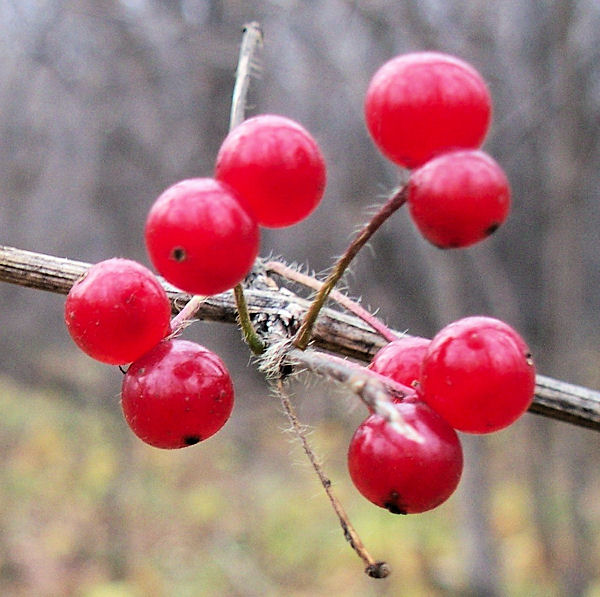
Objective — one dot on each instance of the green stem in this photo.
(387, 209)
(252, 339)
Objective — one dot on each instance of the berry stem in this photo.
(252, 339)
(352, 306)
(374, 568)
(183, 318)
(398, 199)
(247, 63)
(375, 390)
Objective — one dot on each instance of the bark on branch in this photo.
(273, 307)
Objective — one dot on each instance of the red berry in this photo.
(201, 236)
(458, 198)
(401, 359)
(422, 104)
(399, 473)
(178, 394)
(478, 374)
(276, 165)
(117, 311)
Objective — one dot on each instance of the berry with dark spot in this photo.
(201, 236)
(400, 473)
(176, 395)
(458, 198)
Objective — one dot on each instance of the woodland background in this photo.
(103, 104)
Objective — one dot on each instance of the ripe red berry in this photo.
(478, 374)
(117, 311)
(276, 165)
(201, 236)
(458, 198)
(176, 395)
(401, 359)
(399, 473)
(422, 104)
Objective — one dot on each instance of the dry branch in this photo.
(272, 307)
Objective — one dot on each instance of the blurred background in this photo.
(103, 104)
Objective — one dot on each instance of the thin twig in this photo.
(374, 568)
(387, 209)
(285, 271)
(248, 60)
(247, 63)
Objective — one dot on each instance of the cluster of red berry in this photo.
(427, 112)
(476, 375)
(431, 112)
(203, 236)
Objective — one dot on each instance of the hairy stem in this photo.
(376, 391)
(352, 306)
(388, 208)
(185, 316)
(374, 568)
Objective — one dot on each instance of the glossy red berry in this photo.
(422, 104)
(458, 198)
(276, 165)
(201, 236)
(478, 374)
(117, 311)
(400, 474)
(176, 395)
(401, 359)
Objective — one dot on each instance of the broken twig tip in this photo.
(378, 570)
